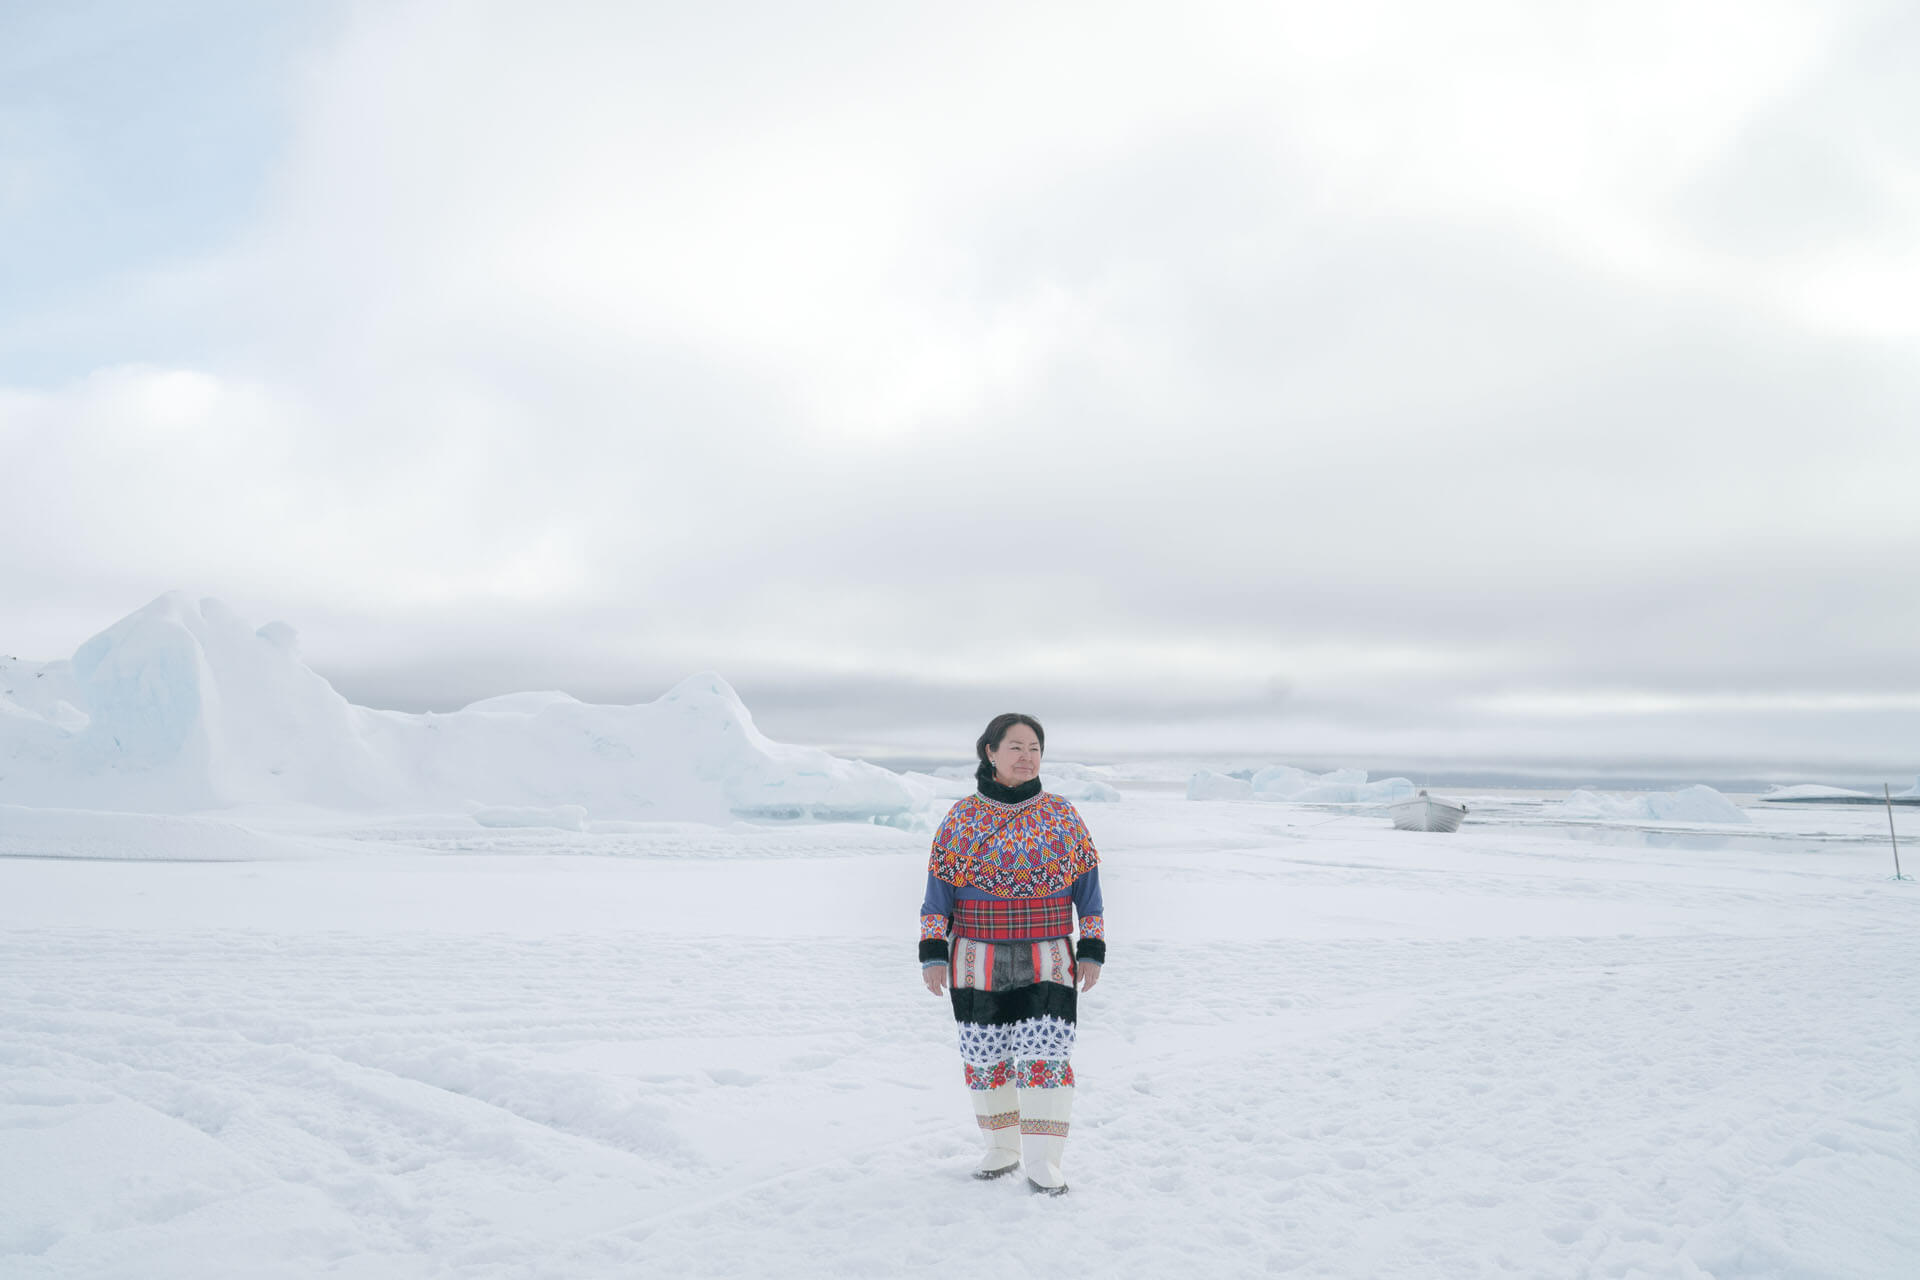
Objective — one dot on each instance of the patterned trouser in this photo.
(1014, 1004)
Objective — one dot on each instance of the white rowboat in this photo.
(1424, 813)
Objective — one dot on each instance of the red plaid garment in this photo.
(1012, 920)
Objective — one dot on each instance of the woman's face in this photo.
(1017, 758)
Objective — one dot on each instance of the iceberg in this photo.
(1083, 790)
(181, 706)
(1339, 786)
(1381, 792)
(1208, 785)
(1689, 804)
(1080, 782)
(935, 793)
(1283, 780)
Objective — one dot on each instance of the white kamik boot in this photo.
(998, 1111)
(1044, 1112)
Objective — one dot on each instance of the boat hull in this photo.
(1427, 814)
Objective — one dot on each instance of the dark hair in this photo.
(996, 734)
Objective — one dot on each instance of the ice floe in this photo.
(1808, 792)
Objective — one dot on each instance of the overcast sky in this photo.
(1492, 382)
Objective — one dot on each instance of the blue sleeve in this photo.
(1086, 894)
(1093, 921)
(939, 899)
(936, 921)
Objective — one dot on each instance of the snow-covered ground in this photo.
(427, 1047)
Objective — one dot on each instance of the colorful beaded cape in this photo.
(1030, 850)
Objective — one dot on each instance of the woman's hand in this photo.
(935, 976)
(1089, 974)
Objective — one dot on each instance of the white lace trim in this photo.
(1042, 1037)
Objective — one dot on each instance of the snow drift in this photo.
(134, 837)
(182, 706)
(1689, 804)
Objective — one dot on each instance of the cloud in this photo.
(1416, 363)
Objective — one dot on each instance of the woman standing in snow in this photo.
(1010, 866)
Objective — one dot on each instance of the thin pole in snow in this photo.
(1890, 834)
